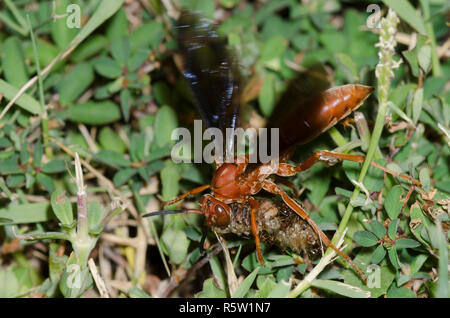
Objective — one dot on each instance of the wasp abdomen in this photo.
(278, 225)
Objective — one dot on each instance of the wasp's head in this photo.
(216, 212)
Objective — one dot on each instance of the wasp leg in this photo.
(290, 185)
(202, 243)
(254, 206)
(192, 192)
(271, 187)
(287, 170)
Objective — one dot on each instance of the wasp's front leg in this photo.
(192, 192)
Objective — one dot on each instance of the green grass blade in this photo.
(27, 213)
(341, 288)
(244, 287)
(25, 101)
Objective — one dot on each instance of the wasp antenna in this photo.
(164, 212)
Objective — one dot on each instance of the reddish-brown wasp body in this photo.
(300, 117)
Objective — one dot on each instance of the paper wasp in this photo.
(213, 75)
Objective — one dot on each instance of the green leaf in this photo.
(424, 58)
(266, 96)
(107, 67)
(46, 52)
(136, 292)
(417, 262)
(15, 181)
(210, 290)
(95, 216)
(378, 229)
(120, 50)
(413, 62)
(89, 48)
(392, 202)
(13, 62)
(104, 11)
(365, 238)
(379, 254)
(266, 287)
(94, 113)
(24, 154)
(54, 166)
(393, 257)
(46, 182)
(176, 243)
(38, 152)
(379, 279)
(147, 34)
(110, 140)
(62, 35)
(165, 123)
(399, 292)
(424, 178)
(62, 207)
(138, 59)
(27, 213)
(244, 287)
(417, 104)
(125, 102)
(118, 27)
(122, 176)
(56, 264)
(25, 101)
(170, 177)
(75, 83)
(5, 143)
(281, 290)
(341, 288)
(406, 243)
(273, 48)
(392, 230)
(138, 146)
(75, 281)
(9, 284)
(348, 65)
(218, 272)
(113, 159)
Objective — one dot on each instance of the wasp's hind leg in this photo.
(287, 170)
(254, 226)
(271, 187)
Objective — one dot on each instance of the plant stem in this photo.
(430, 32)
(82, 225)
(44, 121)
(337, 137)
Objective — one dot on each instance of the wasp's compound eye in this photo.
(219, 210)
(220, 215)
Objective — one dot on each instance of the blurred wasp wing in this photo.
(210, 70)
